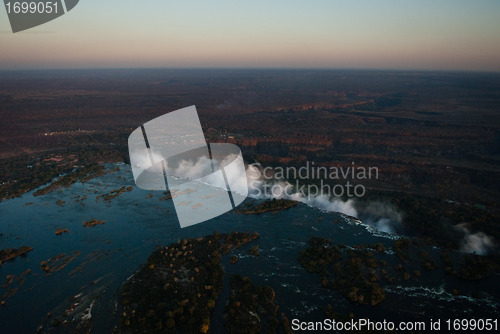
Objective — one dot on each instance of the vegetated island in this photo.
(177, 288)
(274, 205)
(11, 253)
(115, 193)
(60, 231)
(93, 222)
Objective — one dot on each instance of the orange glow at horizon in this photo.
(320, 34)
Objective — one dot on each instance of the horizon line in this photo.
(217, 68)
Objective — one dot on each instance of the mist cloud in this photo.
(382, 216)
(478, 242)
(268, 188)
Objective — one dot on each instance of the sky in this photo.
(364, 34)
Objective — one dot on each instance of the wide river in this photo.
(106, 255)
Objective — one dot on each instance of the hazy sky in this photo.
(398, 34)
